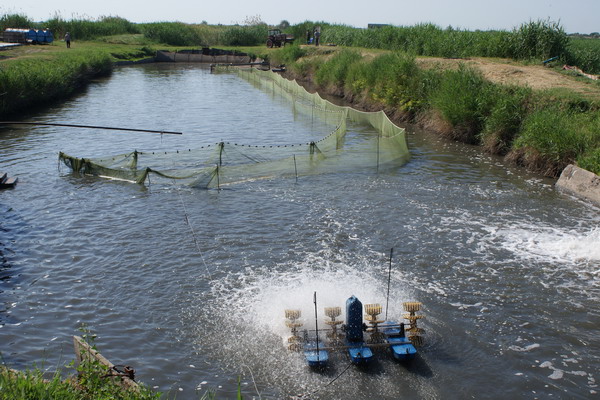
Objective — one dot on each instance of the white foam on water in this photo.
(524, 349)
(252, 304)
(552, 243)
(259, 297)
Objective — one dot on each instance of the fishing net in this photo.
(226, 163)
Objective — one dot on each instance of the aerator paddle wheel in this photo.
(295, 340)
(414, 332)
(372, 312)
(334, 336)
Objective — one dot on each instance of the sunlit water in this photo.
(508, 269)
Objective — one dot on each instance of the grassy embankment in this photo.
(90, 380)
(543, 130)
(36, 75)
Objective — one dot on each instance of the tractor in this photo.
(277, 39)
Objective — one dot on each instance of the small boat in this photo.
(6, 182)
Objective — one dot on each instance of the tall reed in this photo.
(86, 29)
(532, 40)
(172, 33)
(15, 21)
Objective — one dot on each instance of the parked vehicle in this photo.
(277, 39)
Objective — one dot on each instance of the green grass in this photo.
(585, 53)
(543, 131)
(172, 33)
(333, 73)
(28, 82)
(555, 138)
(90, 382)
(465, 99)
(86, 29)
(505, 118)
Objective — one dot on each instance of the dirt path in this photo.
(508, 72)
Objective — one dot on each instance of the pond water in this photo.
(507, 268)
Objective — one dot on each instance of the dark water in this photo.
(508, 269)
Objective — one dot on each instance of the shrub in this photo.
(505, 119)
(84, 29)
(539, 40)
(585, 53)
(590, 160)
(555, 138)
(172, 33)
(251, 35)
(334, 71)
(15, 21)
(464, 98)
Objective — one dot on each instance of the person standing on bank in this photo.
(68, 40)
(317, 35)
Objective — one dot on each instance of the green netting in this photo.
(228, 163)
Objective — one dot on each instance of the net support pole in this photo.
(296, 168)
(387, 301)
(316, 324)
(218, 180)
(221, 146)
(378, 153)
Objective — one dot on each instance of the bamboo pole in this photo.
(88, 127)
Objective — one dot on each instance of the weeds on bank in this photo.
(554, 138)
(32, 81)
(172, 33)
(90, 383)
(543, 131)
(86, 29)
(505, 119)
(465, 99)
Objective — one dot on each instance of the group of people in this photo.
(316, 36)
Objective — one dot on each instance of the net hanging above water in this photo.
(226, 163)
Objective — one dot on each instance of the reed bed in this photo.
(87, 29)
(21, 21)
(172, 33)
(585, 53)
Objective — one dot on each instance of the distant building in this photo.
(377, 26)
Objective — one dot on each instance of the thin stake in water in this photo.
(387, 301)
(316, 325)
(296, 168)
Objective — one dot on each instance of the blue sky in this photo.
(575, 15)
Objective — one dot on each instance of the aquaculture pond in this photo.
(189, 285)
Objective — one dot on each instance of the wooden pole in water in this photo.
(387, 302)
(316, 324)
(378, 153)
(88, 127)
(296, 168)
